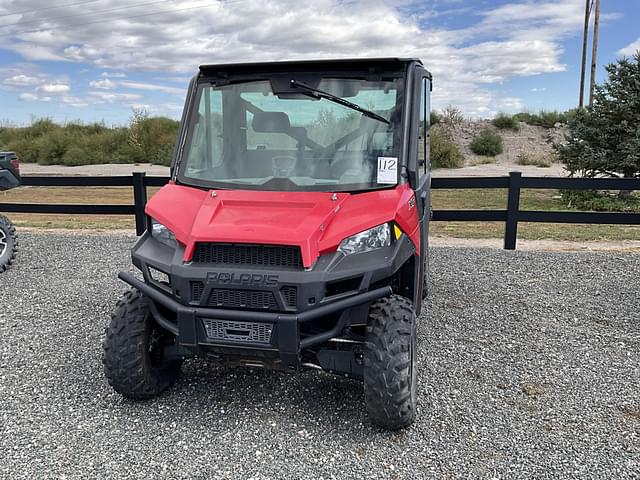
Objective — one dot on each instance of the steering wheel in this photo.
(283, 165)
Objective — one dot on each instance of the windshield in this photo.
(323, 134)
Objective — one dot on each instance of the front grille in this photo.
(197, 288)
(238, 331)
(290, 295)
(253, 299)
(283, 256)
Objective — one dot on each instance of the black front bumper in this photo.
(331, 297)
(287, 342)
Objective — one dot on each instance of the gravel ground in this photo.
(528, 369)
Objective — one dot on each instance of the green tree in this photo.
(605, 139)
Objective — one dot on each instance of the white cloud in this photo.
(113, 75)
(22, 80)
(28, 97)
(539, 89)
(74, 101)
(107, 84)
(164, 109)
(630, 49)
(508, 104)
(104, 84)
(520, 38)
(54, 88)
(152, 87)
(33, 97)
(109, 97)
(34, 51)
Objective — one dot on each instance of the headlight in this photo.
(376, 237)
(163, 234)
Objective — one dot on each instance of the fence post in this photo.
(139, 201)
(513, 206)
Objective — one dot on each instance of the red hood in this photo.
(315, 221)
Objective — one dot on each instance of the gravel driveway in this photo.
(529, 368)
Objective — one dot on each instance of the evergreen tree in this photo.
(605, 139)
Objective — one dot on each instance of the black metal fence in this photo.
(511, 215)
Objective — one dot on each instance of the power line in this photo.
(40, 20)
(48, 8)
(109, 20)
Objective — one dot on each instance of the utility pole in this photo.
(585, 37)
(594, 51)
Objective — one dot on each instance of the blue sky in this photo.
(97, 60)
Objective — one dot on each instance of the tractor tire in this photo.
(8, 243)
(133, 350)
(390, 370)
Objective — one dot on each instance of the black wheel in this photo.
(8, 243)
(133, 357)
(390, 370)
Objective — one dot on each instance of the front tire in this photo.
(8, 243)
(133, 357)
(390, 370)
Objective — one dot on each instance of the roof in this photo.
(322, 64)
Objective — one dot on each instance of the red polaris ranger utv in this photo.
(293, 232)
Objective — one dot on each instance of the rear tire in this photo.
(133, 355)
(8, 243)
(390, 370)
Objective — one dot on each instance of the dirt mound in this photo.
(529, 141)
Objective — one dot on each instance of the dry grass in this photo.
(537, 160)
(496, 199)
(481, 160)
(72, 195)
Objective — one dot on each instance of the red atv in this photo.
(293, 232)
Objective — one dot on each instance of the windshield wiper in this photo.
(333, 98)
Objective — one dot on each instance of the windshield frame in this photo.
(200, 82)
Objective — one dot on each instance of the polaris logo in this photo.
(244, 279)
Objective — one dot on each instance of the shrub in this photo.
(444, 153)
(152, 138)
(544, 118)
(504, 122)
(537, 160)
(487, 143)
(51, 147)
(146, 139)
(42, 126)
(600, 201)
(75, 156)
(452, 116)
(548, 119)
(434, 118)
